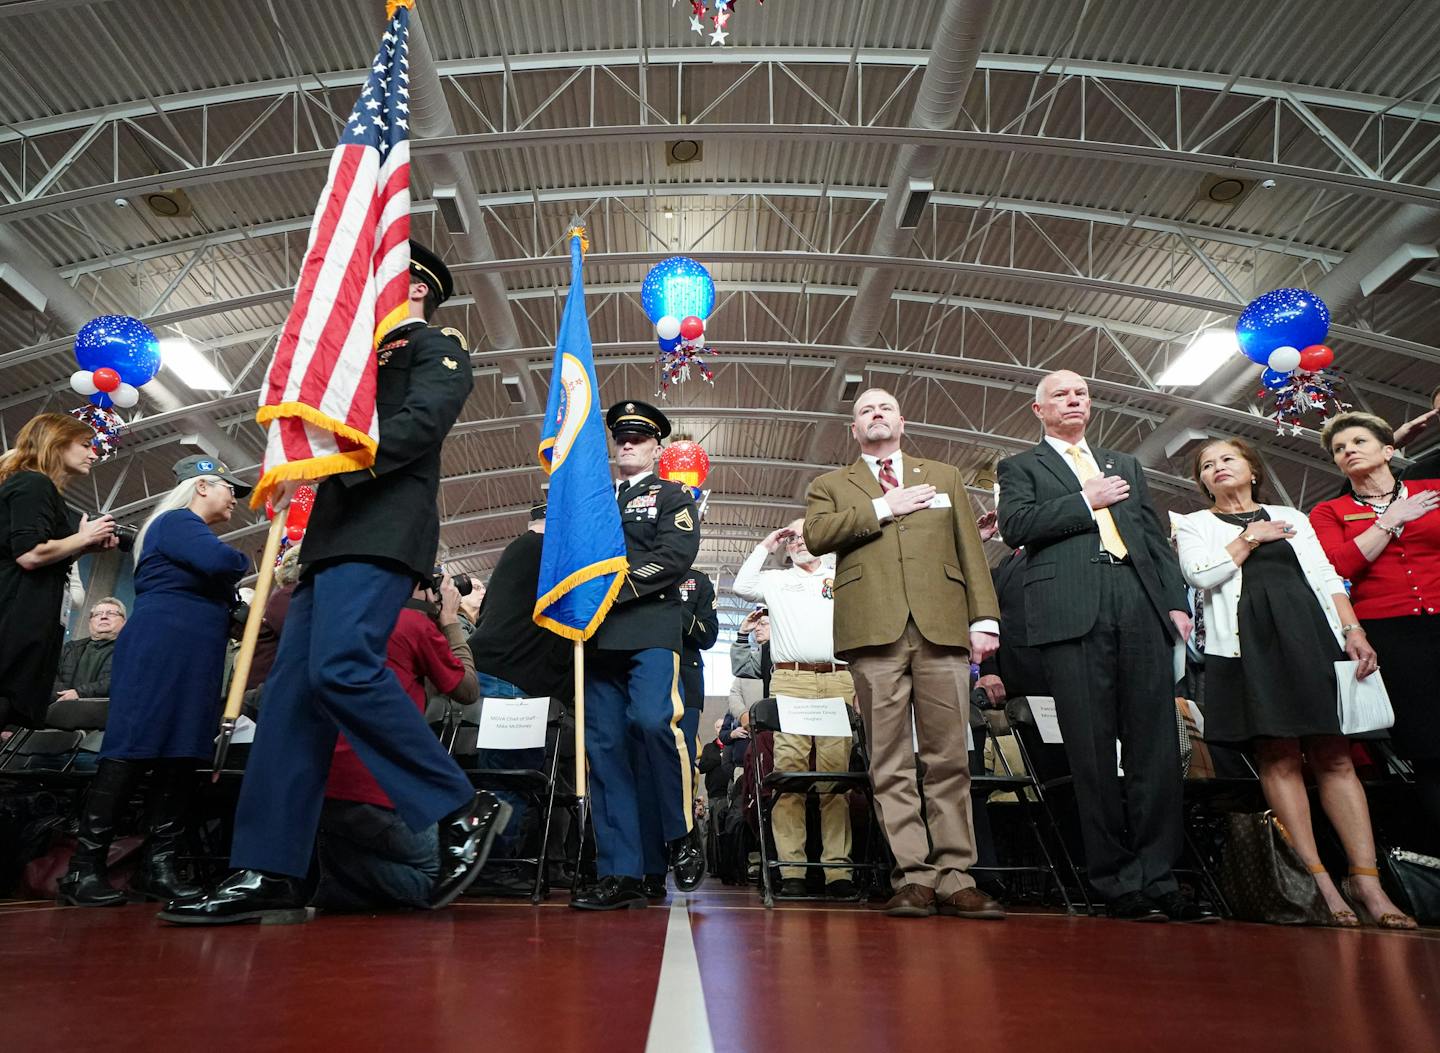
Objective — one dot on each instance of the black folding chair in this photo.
(539, 788)
(765, 716)
(42, 752)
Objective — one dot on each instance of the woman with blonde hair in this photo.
(40, 537)
(165, 685)
(1277, 619)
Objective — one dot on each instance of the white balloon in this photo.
(668, 328)
(83, 381)
(125, 396)
(1284, 359)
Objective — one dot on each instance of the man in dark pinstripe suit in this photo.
(1105, 603)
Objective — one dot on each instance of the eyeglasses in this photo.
(105, 613)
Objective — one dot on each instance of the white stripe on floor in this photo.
(679, 1022)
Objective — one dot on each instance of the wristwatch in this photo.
(1251, 540)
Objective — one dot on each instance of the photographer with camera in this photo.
(368, 858)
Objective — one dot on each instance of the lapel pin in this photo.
(915, 470)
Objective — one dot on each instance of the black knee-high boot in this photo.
(86, 883)
(167, 808)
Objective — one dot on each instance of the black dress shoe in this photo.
(611, 893)
(465, 840)
(1134, 906)
(655, 886)
(687, 860)
(792, 888)
(246, 895)
(1177, 908)
(842, 889)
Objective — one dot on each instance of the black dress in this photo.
(31, 636)
(1283, 684)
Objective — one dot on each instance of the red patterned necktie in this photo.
(888, 481)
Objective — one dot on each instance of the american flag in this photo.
(319, 395)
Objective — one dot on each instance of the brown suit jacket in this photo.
(929, 565)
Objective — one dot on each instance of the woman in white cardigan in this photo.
(1276, 620)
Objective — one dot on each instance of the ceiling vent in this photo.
(168, 204)
(514, 391)
(851, 387)
(1225, 190)
(917, 196)
(684, 151)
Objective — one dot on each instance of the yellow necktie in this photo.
(1109, 533)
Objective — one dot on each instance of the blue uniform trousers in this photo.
(639, 768)
(329, 677)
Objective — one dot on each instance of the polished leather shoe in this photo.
(911, 901)
(844, 889)
(1176, 907)
(465, 839)
(792, 888)
(971, 903)
(1134, 906)
(246, 895)
(87, 887)
(611, 893)
(687, 860)
(655, 886)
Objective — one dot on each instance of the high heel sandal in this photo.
(1388, 920)
(1339, 919)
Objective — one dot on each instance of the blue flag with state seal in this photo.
(583, 560)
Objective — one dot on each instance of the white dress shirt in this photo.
(1061, 446)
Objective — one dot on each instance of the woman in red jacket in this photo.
(1383, 534)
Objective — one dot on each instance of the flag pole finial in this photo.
(391, 6)
(577, 230)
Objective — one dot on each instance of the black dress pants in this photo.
(1115, 683)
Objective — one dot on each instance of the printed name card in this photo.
(813, 716)
(512, 723)
(1042, 708)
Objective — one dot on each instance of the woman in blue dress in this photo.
(165, 699)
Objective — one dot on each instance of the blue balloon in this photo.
(677, 286)
(1281, 318)
(121, 343)
(670, 345)
(1274, 379)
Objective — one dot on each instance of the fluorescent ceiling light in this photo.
(1206, 353)
(195, 371)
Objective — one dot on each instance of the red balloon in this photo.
(691, 328)
(294, 533)
(106, 379)
(1316, 356)
(685, 462)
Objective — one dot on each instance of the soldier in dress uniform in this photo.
(639, 766)
(373, 534)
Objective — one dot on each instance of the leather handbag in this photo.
(1413, 881)
(1262, 876)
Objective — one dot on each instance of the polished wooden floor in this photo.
(503, 976)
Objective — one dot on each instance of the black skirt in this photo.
(1283, 684)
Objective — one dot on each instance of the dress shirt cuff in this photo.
(986, 625)
(1088, 505)
(882, 510)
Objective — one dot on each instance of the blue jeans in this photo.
(370, 860)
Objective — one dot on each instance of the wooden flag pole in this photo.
(580, 719)
(246, 655)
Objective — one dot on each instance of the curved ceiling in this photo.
(1074, 221)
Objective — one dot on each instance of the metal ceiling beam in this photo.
(1219, 82)
(846, 136)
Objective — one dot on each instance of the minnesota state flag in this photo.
(583, 560)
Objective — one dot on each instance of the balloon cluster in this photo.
(678, 294)
(117, 355)
(1284, 331)
(724, 9)
(108, 427)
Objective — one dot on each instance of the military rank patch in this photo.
(649, 570)
(449, 363)
(458, 337)
(684, 520)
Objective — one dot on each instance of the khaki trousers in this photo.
(792, 753)
(913, 674)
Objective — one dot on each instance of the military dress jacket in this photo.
(389, 513)
(662, 539)
(701, 618)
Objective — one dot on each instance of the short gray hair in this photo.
(113, 602)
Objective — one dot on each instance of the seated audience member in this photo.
(369, 859)
(801, 602)
(749, 662)
(515, 658)
(1277, 619)
(85, 663)
(165, 697)
(1383, 534)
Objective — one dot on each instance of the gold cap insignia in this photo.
(629, 407)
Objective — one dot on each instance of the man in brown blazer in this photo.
(913, 605)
